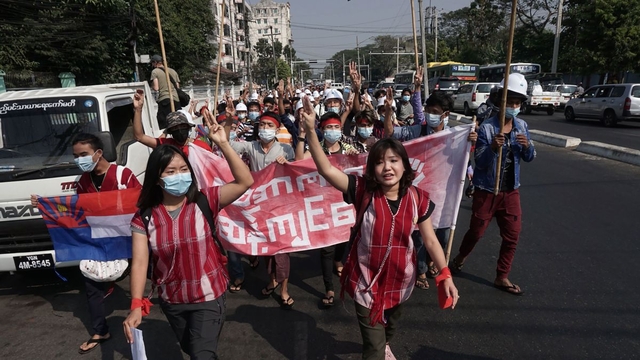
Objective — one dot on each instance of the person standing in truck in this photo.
(159, 84)
(98, 176)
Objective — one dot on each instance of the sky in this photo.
(323, 27)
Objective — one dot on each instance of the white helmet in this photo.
(254, 96)
(381, 103)
(298, 91)
(241, 107)
(307, 91)
(298, 105)
(333, 94)
(316, 94)
(517, 84)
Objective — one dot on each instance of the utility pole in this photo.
(357, 47)
(344, 77)
(275, 58)
(247, 45)
(232, 21)
(397, 55)
(291, 56)
(424, 53)
(435, 52)
(556, 41)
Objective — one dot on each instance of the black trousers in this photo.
(375, 338)
(328, 255)
(95, 297)
(197, 326)
(164, 109)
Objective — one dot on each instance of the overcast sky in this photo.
(323, 27)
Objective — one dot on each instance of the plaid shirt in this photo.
(353, 141)
(187, 265)
(380, 271)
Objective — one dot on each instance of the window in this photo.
(258, 21)
(259, 31)
(275, 21)
(617, 91)
(635, 92)
(604, 92)
(274, 11)
(590, 93)
(230, 66)
(227, 49)
(277, 31)
(227, 30)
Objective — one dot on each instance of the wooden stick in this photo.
(415, 37)
(215, 96)
(164, 57)
(503, 101)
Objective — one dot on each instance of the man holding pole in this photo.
(501, 201)
(159, 84)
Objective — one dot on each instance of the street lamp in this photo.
(291, 55)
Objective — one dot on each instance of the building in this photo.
(235, 53)
(269, 16)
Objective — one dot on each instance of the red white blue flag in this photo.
(92, 226)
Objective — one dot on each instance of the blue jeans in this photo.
(236, 271)
(423, 257)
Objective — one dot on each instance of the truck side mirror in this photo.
(109, 151)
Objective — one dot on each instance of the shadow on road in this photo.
(426, 352)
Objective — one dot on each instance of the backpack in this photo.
(182, 96)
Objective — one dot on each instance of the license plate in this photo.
(34, 262)
(546, 99)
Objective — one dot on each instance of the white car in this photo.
(468, 97)
(566, 92)
(337, 86)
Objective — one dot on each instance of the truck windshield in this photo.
(38, 133)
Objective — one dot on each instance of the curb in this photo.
(554, 139)
(619, 153)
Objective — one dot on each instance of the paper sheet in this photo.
(137, 348)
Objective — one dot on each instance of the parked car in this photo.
(384, 85)
(566, 91)
(446, 84)
(611, 104)
(337, 86)
(468, 97)
(397, 90)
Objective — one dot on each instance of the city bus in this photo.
(495, 73)
(466, 73)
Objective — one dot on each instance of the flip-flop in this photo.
(422, 283)
(432, 272)
(255, 263)
(267, 291)
(329, 301)
(513, 289)
(234, 288)
(93, 341)
(287, 303)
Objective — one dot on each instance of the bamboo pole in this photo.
(164, 57)
(503, 101)
(415, 37)
(215, 96)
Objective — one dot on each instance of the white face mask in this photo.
(266, 135)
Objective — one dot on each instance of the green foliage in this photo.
(264, 67)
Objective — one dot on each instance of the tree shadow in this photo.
(474, 278)
(426, 352)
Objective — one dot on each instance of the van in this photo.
(37, 128)
(448, 85)
(468, 97)
(610, 103)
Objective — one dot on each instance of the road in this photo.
(576, 262)
(625, 134)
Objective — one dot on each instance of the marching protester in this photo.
(98, 176)
(159, 84)
(516, 146)
(405, 110)
(379, 272)
(404, 133)
(187, 263)
(178, 126)
(363, 138)
(262, 153)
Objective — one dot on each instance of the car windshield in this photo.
(449, 84)
(37, 133)
(484, 88)
(567, 89)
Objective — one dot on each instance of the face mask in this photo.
(332, 135)
(406, 98)
(180, 135)
(433, 120)
(266, 135)
(242, 116)
(233, 135)
(365, 132)
(86, 163)
(177, 185)
(334, 109)
(511, 112)
(253, 115)
(381, 117)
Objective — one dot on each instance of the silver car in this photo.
(611, 104)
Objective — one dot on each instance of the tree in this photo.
(264, 64)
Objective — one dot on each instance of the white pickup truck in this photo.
(540, 100)
(36, 132)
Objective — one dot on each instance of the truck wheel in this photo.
(527, 109)
(467, 110)
(569, 115)
(550, 111)
(609, 118)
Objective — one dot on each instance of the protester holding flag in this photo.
(188, 267)
(98, 176)
(380, 270)
(178, 126)
(515, 143)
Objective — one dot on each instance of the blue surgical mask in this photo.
(86, 163)
(253, 115)
(511, 113)
(332, 135)
(242, 116)
(178, 184)
(233, 135)
(406, 98)
(365, 132)
(335, 109)
(433, 120)
(266, 135)
(381, 117)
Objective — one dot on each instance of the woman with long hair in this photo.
(188, 268)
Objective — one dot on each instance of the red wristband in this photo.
(443, 300)
(445, 273)
(145, 304)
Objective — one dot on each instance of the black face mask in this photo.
(180, 135)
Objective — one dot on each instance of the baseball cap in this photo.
(156, 58)
(177, 118)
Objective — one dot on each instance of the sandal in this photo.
(235, 287)
(512, 289)
(254, 262)
(433, 271)
(267, 291)
(422, 283)
(455, 266)
(287, 303)
(93, 341)
(327, 301)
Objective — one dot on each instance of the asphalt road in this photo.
(576, 262)
(625, 134)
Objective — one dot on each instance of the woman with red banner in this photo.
(381, 269)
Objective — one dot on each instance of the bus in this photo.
(495, 73)
(466, 73)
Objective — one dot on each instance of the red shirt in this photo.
(110, 182)
(187, 265)
(185, 147)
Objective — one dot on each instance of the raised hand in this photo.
(356, 79)
(417, 79)
(217, 134)
(308, 116)
(280, 88)
(388, 101)
(138, 99)
(230, 110)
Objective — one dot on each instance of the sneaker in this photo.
(388, 355)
